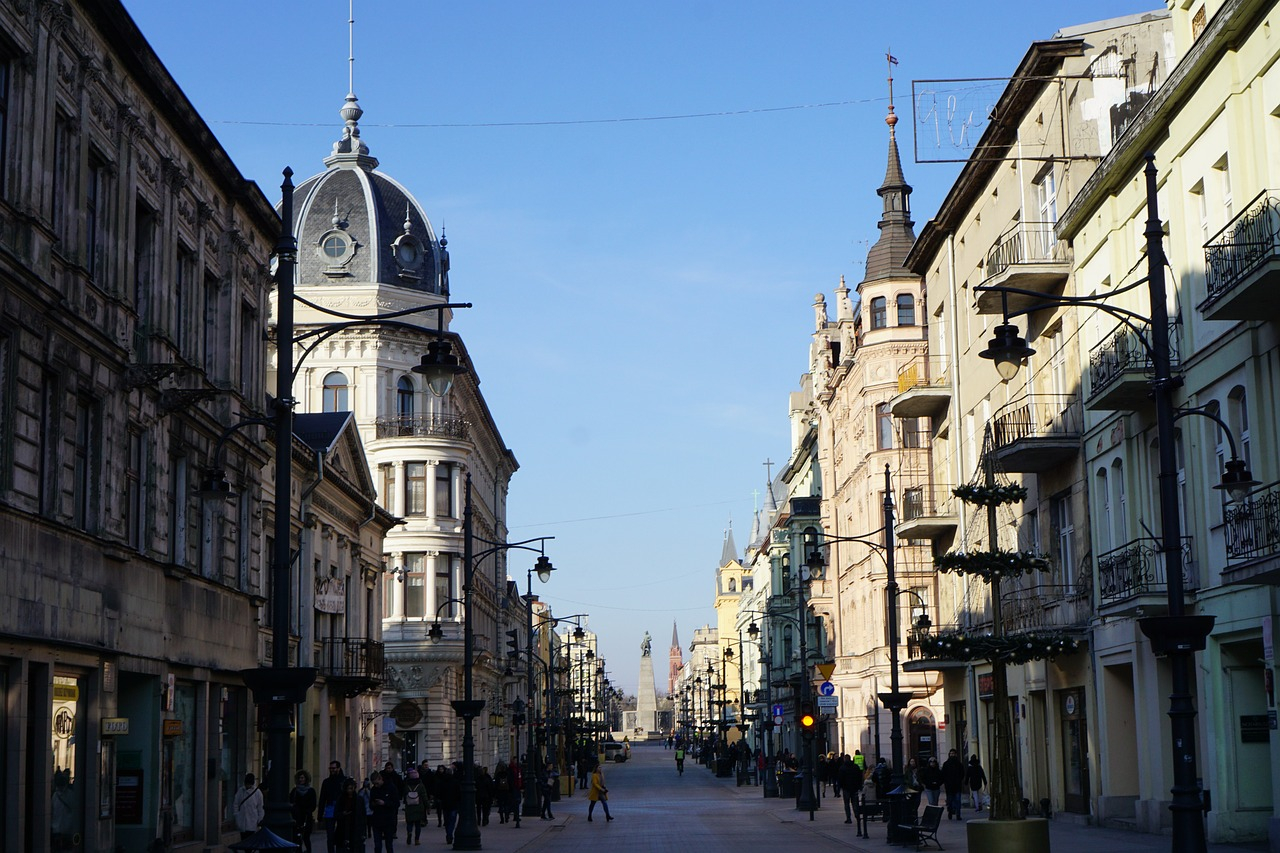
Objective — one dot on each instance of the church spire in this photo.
(729, 553)
(897, 231)
(350, 148)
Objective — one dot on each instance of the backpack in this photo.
(412, 797)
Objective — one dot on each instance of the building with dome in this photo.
(366, 246)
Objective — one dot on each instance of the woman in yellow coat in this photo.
(598, 792)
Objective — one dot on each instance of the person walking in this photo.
(247, 807)
(977, 779)
(953, 773)
(384, 807)
(415, 807)
(484, 795)
(330, 791)
(502, 790)
(349, 819)
(931, 779)
(598, 793)
(911, 777)
(849, 777)
(302, 800)
(449, 789)
(515, 802)
(680, 759)
(546, 784)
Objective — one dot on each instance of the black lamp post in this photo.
(281, 686)
(1175, 634)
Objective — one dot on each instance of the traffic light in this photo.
(513, 643)
(808, 720)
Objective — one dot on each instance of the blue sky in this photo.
(641, 201)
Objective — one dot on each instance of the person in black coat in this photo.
(849, 775)
(953, 774)
(977, 779)
(302, 801)
(349, 819)
(931, 779)
(330, 791)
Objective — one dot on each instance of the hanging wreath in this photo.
(989, 565)
(998, 495)
(1012, 648)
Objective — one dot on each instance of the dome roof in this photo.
(355, 225)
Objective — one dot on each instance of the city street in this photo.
(657, 810)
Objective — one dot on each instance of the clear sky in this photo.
(641, 201)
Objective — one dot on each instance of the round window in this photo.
(334, 246)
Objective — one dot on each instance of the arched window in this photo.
(884, 427)
(879, 312)
(733, 585)
(404, 398)
(335, 393)
(906, 310)
(1119, 511)
(1102, 495)
(1238, 420)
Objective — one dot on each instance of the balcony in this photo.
(1253, 539)
(1029, 256)
(1242, 263)
(924, 389)
(416, 426)
(1120, 370)
(1035, 434)
(353, 665)
(1048, 607)
(1133, 577)
(928, 512)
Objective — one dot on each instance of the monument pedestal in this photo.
(646, 697)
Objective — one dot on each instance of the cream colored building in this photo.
(1213, 130)
(1065, 103)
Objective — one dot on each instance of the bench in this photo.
(864, 810)
(923, 830)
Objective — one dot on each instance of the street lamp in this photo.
(1176, 634)
(281, 687)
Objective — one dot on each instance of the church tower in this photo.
(677, 660)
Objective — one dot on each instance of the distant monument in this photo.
(646, 693)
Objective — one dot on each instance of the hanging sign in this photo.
(331, 595)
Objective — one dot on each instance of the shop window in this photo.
(66, 805)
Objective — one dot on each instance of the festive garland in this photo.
(991, 564)
(991, 495)
(1014, 648)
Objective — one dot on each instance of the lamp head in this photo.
(1237, 480)
(728, 653)
(1008, 350)
(543, 568)
(214, 485)
(435, 634)
(753, 630)
(439, 366)
(579, 634)
(816, 564)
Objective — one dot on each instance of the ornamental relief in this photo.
(411, 676)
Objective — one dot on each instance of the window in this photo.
(1119, 508)
(415, 488)
(1102, 493)
(1238, 420)
(906, 309)
(335, 393)
(1041, 241)
(144, 243)
(209, 331)
(184, 309)
(913, 432)
(404, 398)
(4, 120)
(1224, 183)
(444, 586)
(63, 179)
(444, 490)
(178, 510)
(415, 586)
(248, 347)
(1029, 535)
(6, 408)
(387, 477)
(1197, 23)
(244, 539)
(879, 312)
(97, 209)
(84, 472)
(50, 437)
(884, 427)
(1063, 533)
(1202, 210)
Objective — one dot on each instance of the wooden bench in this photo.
(864, 810)
(923, 830)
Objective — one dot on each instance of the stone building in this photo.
(133, 299)
(366, 245)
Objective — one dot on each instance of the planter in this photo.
(1009, 836)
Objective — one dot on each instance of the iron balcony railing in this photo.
(445, 426)
(928, 501)
(1047, 606)
(355, 658)
(1124, 351)
(1024, 243)
(1253, 526)
(1244, 245)
(923, 371)
(1138, 568)
(1037, 416)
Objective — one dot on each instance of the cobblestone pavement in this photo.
(657, 810)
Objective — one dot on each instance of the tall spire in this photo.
(729, 553)
(675, 635)
(350, 148)
(897, 231)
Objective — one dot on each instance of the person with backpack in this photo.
(680, 759)
(977, 779)
(248, 808)
(415, 807)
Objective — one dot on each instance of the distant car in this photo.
(616, 752)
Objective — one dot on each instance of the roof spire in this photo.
(897, 231)
(350, 143)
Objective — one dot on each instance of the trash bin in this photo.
(724, 766)
(903, 807)
(787, 783)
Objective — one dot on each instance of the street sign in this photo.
(827, 689)
(778, 711)
(828, 703)
(777, 719)
(825, 670)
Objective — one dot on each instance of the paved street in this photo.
(656, 810)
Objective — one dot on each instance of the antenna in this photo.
(351, 46)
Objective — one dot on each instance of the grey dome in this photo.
(355, 225)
